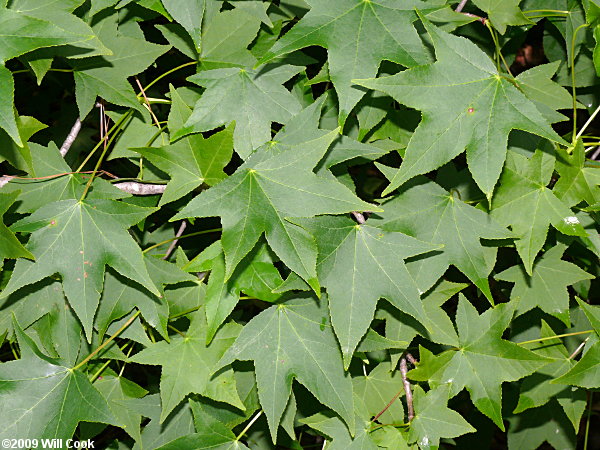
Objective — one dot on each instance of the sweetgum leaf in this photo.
(477, 108)
(523, 201)
(428, 212)
(358, 264)
(434, 420)
(483, 361)
(546, 288)
(34, 391)
(76, 239)
(576, 182)
(264, 191)
(8, 121)
(359, 35)
(503, 13)
(294, 340)
(251, 98)
(10, 247)
(188, 363)
(189, 14)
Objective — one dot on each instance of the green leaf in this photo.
(586, 373)
(20, 156)
(34, 391)
(267, 189)
(482, 362)
(22, 33)
(359, 35)
(187, 364)
(192, 160)
(537, 389)
(294, 340)
(576, 182)
(434, 420)
(503, 13)
(337, 431)
(377, 389)
(120, 296)
(523, 201)
(107, 76)
(250, 98)
(226, 37)
(546, 288)
(479, 110)
(358, 264)
(428, 212)
(8, 121)
(189, 14)
(76, 240)
(10, 247)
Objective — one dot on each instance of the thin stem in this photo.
(555, 11)
(555, 337)
(100, 370)
(247, 427)
(180, 333)
(102, 155)
(160, 77)
(498, 49)
(108, 341)
(387, 406)
(587, 422)
(572, 61)
(197, 233)
(587, 124)
(176, 316)
(461, 5)
(116, 127)
(49, 70)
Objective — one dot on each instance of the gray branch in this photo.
(71, 137)
(407, 388)
(460, 6)
(174, 243)
(135, 188)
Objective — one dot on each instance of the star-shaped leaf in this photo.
(434, 420)
(10, 247)
(359, 35)
(34, 391)
(336, 430)
(76, 239)
(359, 264)
(250, 98)
(120, 296)
(428, 212)
(476, 109)
(537, 389)
(107, 76)
(483, 361)
(294, 340)
(266, 190)
(576, 182)
(188, 363)
(192, 160)
(523, 201)
(546, 288)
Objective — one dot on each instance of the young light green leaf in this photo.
(434, 420)
(294, 340)
(76, 240)
(523, 201)
(250, 98)
(188, 363)
(428, 212)
(359, 35)
(476, 109)
(483, 361)
(546, 288)
(266, 190)
(576, 182)
(359, 264)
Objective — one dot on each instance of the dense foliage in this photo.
(300, 223)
